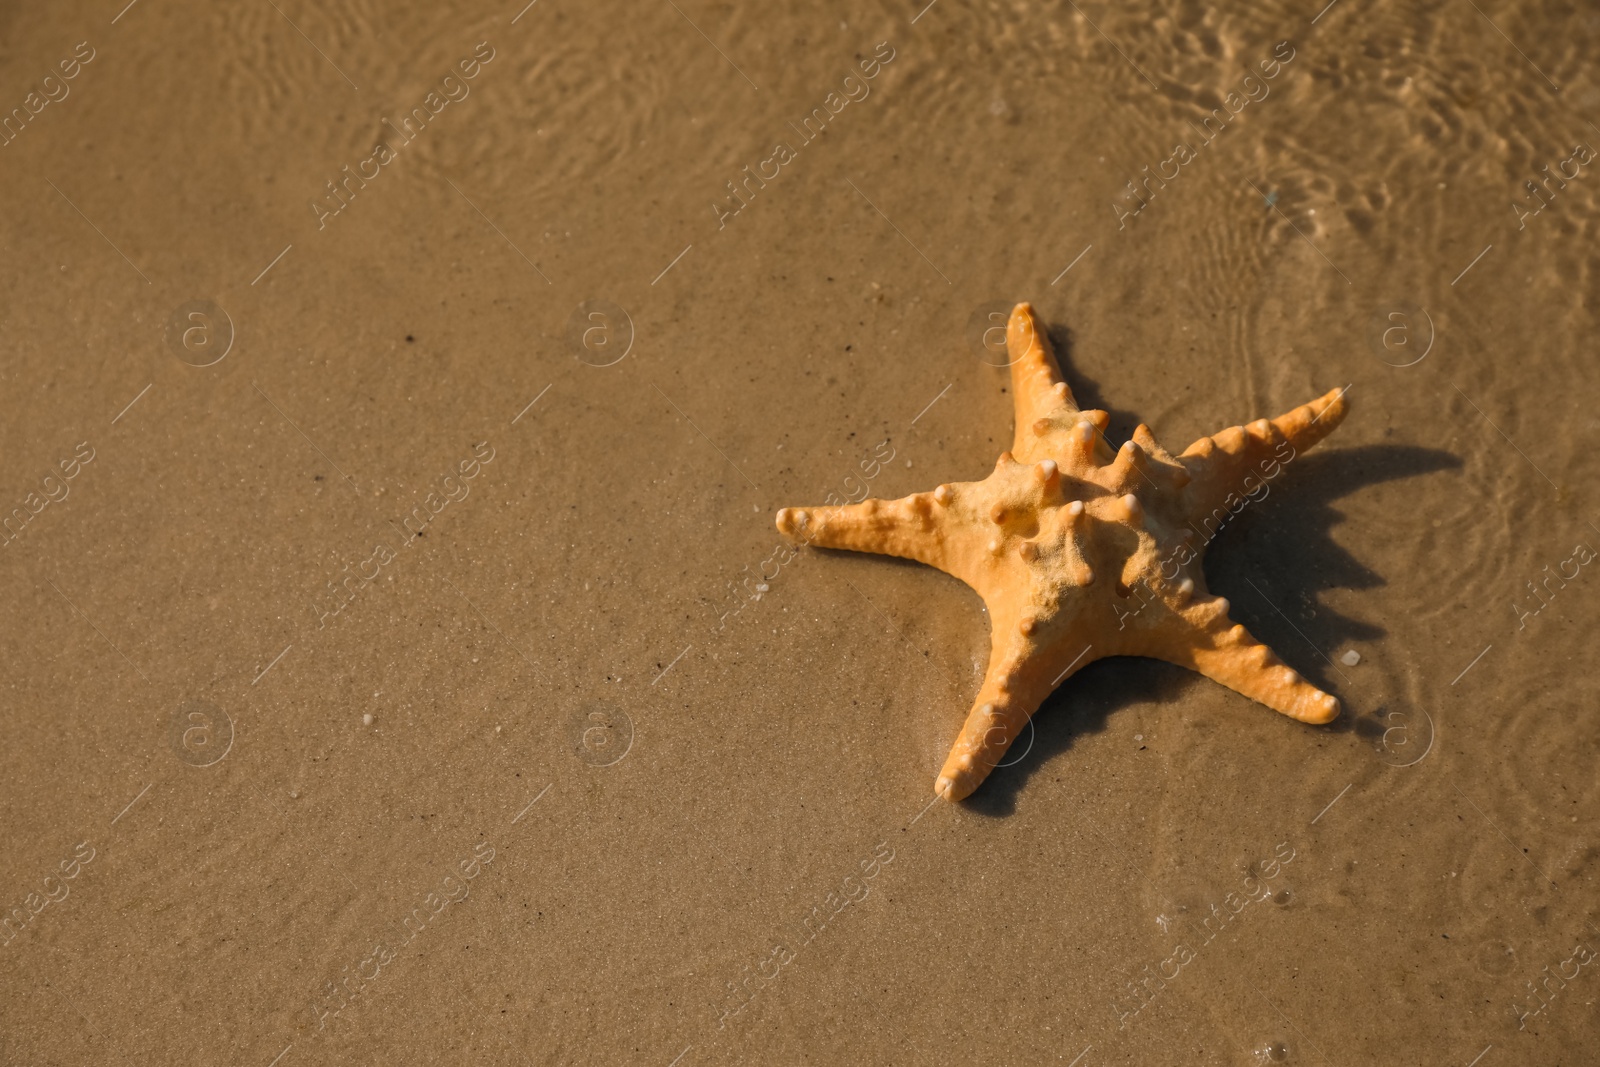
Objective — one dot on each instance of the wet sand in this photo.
(403, 665)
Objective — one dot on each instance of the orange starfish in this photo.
(1082, 553)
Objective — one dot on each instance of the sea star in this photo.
(1080, 552)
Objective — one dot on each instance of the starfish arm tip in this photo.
(1324, 709)
(789, 521)
(1313, 420)
(1303, 702)
(1037, 385)
(911, 527)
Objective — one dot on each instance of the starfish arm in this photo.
(1021, 675)
(909, 527)
(1038, 390)
(1227, 467)
(1224, 651)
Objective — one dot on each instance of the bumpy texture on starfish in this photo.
(1082, 553)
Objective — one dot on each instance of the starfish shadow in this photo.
(1269, 562)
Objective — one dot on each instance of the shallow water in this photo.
(638, 783)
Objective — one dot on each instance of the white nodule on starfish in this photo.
(1048, 616)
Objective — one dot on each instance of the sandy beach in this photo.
(404, 664)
